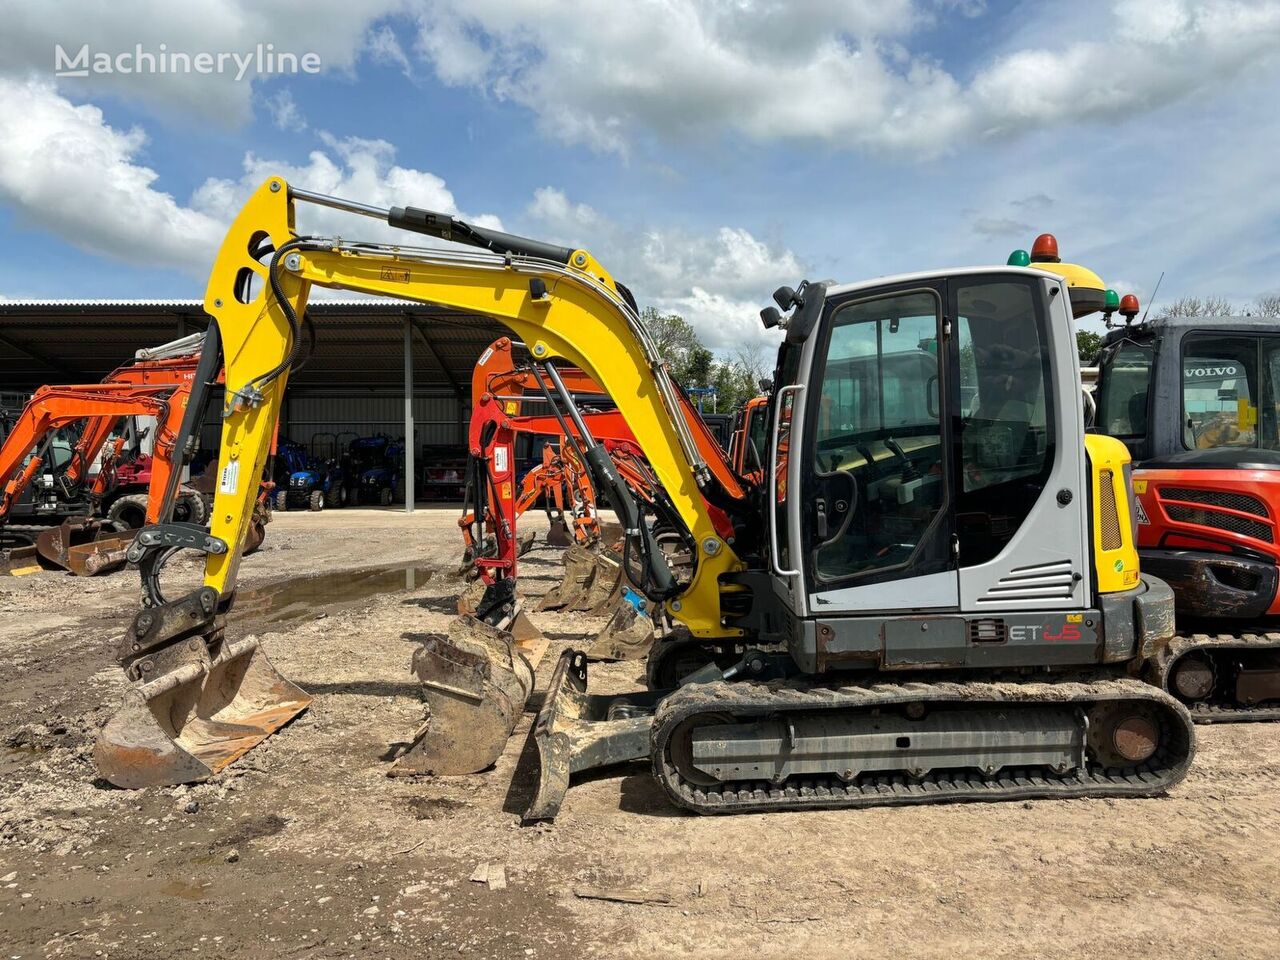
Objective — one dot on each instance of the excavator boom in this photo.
(195, 707)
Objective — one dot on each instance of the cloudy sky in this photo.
(705, 150)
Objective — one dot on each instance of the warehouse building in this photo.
(397, 368)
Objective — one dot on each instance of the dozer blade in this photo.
(577, 731)
(627, 636)
(579, 569)
(193, 720)
(19, 560)
(475, 683)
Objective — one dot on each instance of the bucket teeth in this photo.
(475, 684)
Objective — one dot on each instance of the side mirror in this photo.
(784, 297)
(770, 317)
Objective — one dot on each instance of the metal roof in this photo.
(359, 345)
(1220, 324)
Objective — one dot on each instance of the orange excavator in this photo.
(593, 581)
(158, 385)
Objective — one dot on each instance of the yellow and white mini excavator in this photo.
(933, 593)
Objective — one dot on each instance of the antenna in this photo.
(1153, 298)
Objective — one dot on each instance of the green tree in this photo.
(736, 379)
(1088, 345)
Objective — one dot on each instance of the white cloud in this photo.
(827, 70)
(63, 168)
(285, 113)
(333, 29)
(718, 281)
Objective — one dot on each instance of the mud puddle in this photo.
(304, 597)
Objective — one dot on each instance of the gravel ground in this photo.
(305, 848)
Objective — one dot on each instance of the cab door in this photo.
(875, 517)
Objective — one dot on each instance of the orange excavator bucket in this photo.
(196, 701)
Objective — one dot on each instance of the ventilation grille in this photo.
(1242, 502)
(1108, 514)
(1043, 581)
(1230, 522)
(988, 630)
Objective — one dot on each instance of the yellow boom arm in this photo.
(572, 311)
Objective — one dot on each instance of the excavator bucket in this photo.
(522, 630)
(194, 710)
(558, 534)
(526, 542)
(83, 546)
(606, 587)
(579, 570)
(627, 636)
(475, 682)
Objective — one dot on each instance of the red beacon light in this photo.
(1045, 249)
(1128, 307)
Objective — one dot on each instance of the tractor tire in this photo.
(282, 500)
(317, 501)
(384, 498)
(190, 507)
(346, 496)
(129, 512)
(333, 497)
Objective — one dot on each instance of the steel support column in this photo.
(409, 483)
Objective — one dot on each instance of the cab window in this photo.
(1229, 392)
(1125, 380)
(878, 420)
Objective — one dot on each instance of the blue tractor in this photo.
(307, 481)
(376, 468)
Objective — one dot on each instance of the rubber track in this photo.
(1218, 712)
(1163, 770)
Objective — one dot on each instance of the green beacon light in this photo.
(1019, 258)
(1111, 302)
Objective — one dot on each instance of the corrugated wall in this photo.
(438, 421)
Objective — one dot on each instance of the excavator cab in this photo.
(1195, 400)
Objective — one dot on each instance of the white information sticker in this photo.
(499, 459)
(230, 477)
(1142, 514)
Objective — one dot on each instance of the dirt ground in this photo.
(305, 848)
